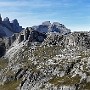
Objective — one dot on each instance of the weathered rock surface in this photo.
(8, 28)
(48, 60)
(46, 27)
(8, 33)
(32, 34)
(2, 48)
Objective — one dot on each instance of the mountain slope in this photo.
(50, 60)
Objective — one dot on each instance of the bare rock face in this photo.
(8, 28)
(60, 28)
(40, 32)
(47, 57)
(2, 48)
(47, 23)
(8, 32)
(46, 27)
(0, 19)
(51, 66)
(6, 23)
(15, 26)
(54, 38)
(31, 35)
(80, 39)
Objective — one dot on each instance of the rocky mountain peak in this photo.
(46, 27)
(6, 19)
(8, 28)
(44, 57)
(47, 23)
(56, 23)
(0, 18)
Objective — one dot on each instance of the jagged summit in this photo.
(8, 28)
(47, 26)
(47, 23)
(11, 29)
(0, 18)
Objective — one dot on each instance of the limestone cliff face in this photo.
(80, 39)
(8, 33)
(39, 33)
(2, 47)
(11, 31)
(8, 28)
(54, 37)
(60, 62)
(46, 27)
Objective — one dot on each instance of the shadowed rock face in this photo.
(40, 32)
(46, 27)
(8, 32)
(8, 28)
(2, 49)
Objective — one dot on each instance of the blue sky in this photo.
(74, 14)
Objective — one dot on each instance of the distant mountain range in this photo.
(46, 27)
(8, 28)
(11, 31)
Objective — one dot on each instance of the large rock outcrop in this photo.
(8, 33)
(2, 47)
(46, 27)
(8, 28)
(40, 32)
(49, 65)
(59, 61)
(32, 34)
(79, 39)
